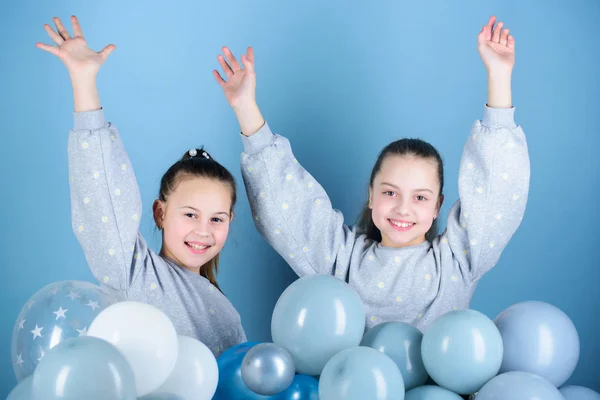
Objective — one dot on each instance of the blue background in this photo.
(341, 80)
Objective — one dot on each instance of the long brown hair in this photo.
(199, 164)
(402, 147)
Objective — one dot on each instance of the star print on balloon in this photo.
(56, 312)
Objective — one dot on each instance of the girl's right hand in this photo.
(240, 86)
(80, 60)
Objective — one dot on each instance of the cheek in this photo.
(220, 233)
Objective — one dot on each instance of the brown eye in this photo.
(421, 198)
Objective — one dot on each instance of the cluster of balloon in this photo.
(318, 329)
(74, 340)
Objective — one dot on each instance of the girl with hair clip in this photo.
(193, 212)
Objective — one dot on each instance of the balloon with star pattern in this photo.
(59, 311)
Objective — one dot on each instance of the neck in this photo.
(166, 254)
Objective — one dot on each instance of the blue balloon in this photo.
(303, 387)
(402, 343)
(361, 373)
(22, 391)
(268, 369)
(518, 385)
(462, 350)
(574, 392)
(539, 338)
(316, 317)
(431, 392)
(231, 385)
(84, 368)
(56, 312)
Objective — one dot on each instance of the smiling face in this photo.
(405, 199)
(195, 220)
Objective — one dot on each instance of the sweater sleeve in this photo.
(493, 187)
(290, 208)
(105, 201)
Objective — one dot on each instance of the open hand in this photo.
(240, 87)
(74, 52)
(496, 47)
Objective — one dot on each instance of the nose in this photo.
(402, 206)
(202, 228)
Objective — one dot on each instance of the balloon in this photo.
(58, 311)
(83, 368)
(268, 369)
(539, 338)
(316, 317)
(303, 387)
(360, 373)
(430, 392)
(145, 336)
(162, 396)
(195, 375)
(23, 391)
(231, 385)
(518, 385)
(462, 350)
(402, 343)
(573, 392)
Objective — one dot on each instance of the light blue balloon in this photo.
(316, 317)
(22, 391)
(402, 343)
(303, 387)
(574, 392)
(84, 368)
(161, 396)
(518, 385)
(59, 311)
(361, 373)
(539, 338)
(462, 350)
(268, 369)
(431, 392)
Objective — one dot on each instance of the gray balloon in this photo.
(538, 338)
(268, 369)
(315, 318)
(574, 392)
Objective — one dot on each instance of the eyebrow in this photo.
(195, 209)
(397, 188)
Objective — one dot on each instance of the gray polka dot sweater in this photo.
(106, 210)
(415, 284)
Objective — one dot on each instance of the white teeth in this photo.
(197, 247)
(402, 224)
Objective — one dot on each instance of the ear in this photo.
(158, 211)
(439, 205)
(370, 198)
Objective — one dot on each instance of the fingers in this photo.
(250, 55)
(56, 38)
(247, 64)
(497, 31)
(504, 37)
(76, 27)
(226, 68)
(61, 29)
(511, 42)
(49, 49)
(105, 52)
(235, 65)
(489, 28)
(218, 77)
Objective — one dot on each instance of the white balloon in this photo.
(145, 336)
(196, 373)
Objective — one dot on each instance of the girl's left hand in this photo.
(496, 47)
